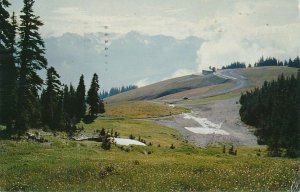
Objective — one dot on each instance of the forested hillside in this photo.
(273, 110)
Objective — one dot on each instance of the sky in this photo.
(232, 30)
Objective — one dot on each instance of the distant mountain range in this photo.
(133, 58)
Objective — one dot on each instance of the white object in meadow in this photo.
(206, 126)
(121, 141)
(172, 105)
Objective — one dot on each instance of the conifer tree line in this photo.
(235, 65)
(26, 101)
(274, 109)
(116, 90)
(269, 61)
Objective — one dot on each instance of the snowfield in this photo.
(206, 126)
(121, 141)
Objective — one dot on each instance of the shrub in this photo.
(131, 136)
(106, 143)
(172, 146)
(224, 149)
(231, 151)
(107, 171)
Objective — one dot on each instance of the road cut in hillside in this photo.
(213, 123)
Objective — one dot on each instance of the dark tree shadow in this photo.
(4, 135)
(89, 119)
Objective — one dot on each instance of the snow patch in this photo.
(206, 131)
(206, 126)
(121, 141)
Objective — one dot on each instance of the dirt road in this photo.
(215, 122)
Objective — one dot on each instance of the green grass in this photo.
(141, 109)
(83, 166)
(67, 165)
(148, 131)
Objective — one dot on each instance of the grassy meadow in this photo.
(63, 164)
(66, 165)
(141, 109)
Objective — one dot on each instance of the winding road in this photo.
(215, 122)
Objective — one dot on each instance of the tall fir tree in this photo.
(93, 98)
(65, 99)
(80, 99)
(69, 104)
(10, 78)
(8, 72)
(4, 39)
(51, 100)
(72, 104)
(298, 107)
(32, 60)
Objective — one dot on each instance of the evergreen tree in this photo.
(298, 107)
(93, 97)
(234, 65)
(51, 100)
(4, 42)
(8, 73)
(101, 107)
(66, 100)
(69, 104)
(273, 110)
(72, 104)
(115, 90)
(80, 97)
(32, 60)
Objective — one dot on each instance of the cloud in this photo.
(172, 18)
(250, 31)
(173, 11)
(142, 82)
(68, 10)
(180, 73)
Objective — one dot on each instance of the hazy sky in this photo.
(233, 30)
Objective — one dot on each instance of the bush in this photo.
(231, 151)
(107, 171)
(131, 136)
(172, 146)
(106, 142)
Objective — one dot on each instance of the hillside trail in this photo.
(214, 122)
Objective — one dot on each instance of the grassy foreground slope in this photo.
(66, 165)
